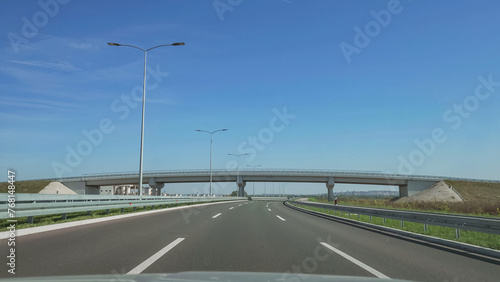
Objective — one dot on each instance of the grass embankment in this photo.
(478, 208)
(481, 199)
(22, 222)
(30, 186)
(491, 241)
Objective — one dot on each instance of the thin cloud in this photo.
(161, 101)
(33, 118)
(84, 46)
(62, 66)
(40, 104)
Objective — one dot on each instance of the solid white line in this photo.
(357, 262)
(269, 209)
(141, 267)
(216, 215)
(231, 208)
(280, 218)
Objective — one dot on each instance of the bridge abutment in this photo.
(81, 187)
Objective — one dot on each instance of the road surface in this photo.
(249, 236)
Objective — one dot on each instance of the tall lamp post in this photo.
(254, 167)
(211, 132)
(238, 166)
(144, 99)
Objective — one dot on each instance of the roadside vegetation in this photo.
(477, 207)
(491, 241)
(31, 186)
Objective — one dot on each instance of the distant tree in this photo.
(235, 194)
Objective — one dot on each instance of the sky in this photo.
(409, 87)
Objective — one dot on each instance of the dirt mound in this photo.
(56, 188)
(439, 192)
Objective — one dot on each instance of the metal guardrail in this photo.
(473, 223)
(30, 205)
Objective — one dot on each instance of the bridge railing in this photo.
(276, 172)
(31, 205)
(473, 223)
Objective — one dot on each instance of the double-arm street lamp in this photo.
(144, 98)
(254, 167)
(237, 161)
(211, 132)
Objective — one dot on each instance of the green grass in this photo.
(312, 199)
(477, 208)
(491, 241)
(22, 222)
(31, 186)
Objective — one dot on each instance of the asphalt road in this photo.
(237, 236)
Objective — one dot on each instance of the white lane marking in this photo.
(141, 267)
(239, 205)
(280, 218)
(216, 215)
(231, 208)
(357, 262)
(269, 209)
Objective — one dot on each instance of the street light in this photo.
(211, 132)
(144, 98)
(254, 167)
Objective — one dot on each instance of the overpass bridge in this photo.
(408, 184)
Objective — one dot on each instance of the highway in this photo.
(249, 236)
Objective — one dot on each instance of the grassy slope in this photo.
(480, 199)
(476, 191)
(32, 186)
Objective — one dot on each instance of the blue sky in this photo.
(392, 86)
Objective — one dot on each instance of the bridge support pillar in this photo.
(403, 190)
(241, 186)
(329, 185)
(155, 187)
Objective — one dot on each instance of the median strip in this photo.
(355, 261)
(141, 267)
